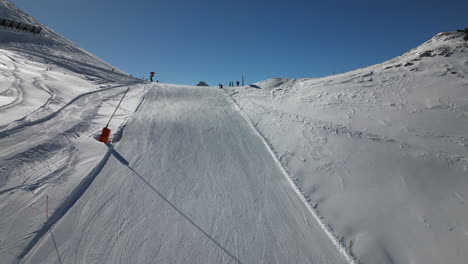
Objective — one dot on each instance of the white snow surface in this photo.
(380, 152)
(54, 99)
(190, 182)
(281, 171)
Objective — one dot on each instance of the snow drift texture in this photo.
(381, 152)
(377, 156)
(54, 98)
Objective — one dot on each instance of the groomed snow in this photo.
(377, 156)
(189, 182)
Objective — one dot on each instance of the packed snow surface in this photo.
(189, 182)
(369, 166)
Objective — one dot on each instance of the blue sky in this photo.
(186, 41)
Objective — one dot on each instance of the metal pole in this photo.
(118, 106)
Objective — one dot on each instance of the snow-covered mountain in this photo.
(49, 47)
(54, 98)
(33, 61)
(380, 152)
(281, 171)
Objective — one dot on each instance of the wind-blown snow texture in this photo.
(381, 152)
(54, 98)
(379, 156)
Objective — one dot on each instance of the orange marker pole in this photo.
(105, 135)
(106, 131)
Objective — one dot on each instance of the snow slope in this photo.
(381, 152)
(35, 67)
(54, 99)
(377, 156)
(210, 181)
(190, 182)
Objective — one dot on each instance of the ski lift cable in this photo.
(117, 106)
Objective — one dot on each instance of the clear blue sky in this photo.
(186, 41)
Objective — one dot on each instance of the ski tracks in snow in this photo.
(16, 90)
(34, 158)
(229, 175)
(326, 228)
(16, 128)
(68, 203)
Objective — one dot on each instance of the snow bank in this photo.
(380, 152)
(54, 99)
